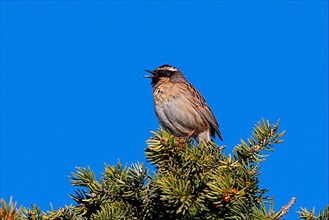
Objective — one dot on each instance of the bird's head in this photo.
(165, 71)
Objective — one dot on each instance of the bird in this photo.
(179, 107)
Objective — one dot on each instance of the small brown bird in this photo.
(180, 108)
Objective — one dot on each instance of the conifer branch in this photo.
(190, 181)
(264, 136)
(310, 215)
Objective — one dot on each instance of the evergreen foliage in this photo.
(190, 181)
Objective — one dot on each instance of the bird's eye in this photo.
(169, 74)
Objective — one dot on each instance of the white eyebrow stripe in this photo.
(170, 68)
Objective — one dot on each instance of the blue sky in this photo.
(73, 92)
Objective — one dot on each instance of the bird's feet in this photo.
(190, 134)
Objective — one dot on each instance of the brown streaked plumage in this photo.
(180, 108)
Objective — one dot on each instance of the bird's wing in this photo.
(201, 106)
(207, 113)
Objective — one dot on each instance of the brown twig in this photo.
(284, 210)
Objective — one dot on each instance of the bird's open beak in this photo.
(149, 76)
